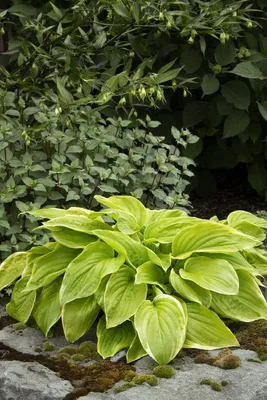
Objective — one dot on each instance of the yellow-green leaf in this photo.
(205, 330)
(12, 267)
(78, 316)
(21, 304)
(85, 272)
(161, 327)
(212, 274)
(210, 237)
(122, 296)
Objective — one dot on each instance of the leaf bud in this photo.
(191, 40)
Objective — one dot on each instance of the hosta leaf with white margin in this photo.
(135, 350)
(248, 305)
(156, 215)
(205, 330)
(127, 204)
(135, 253)
(21, 304)
(78, 316)
(190, 290)
(12, 267)
(250, 229)
(111, 341)
(161, 327)
(48, 267)
(258, 259)
(79, 223)
(239, 216)
(165, 230)
(212, 274)
(122, 296)
(210, 237)
(150, 273)
(84, 274)
(47, 308)
(236, 260)
(74, 240)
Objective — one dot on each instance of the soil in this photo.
(233, 193)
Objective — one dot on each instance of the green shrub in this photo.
(61, 164)
(161, 278)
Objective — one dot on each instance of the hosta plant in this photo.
(154, 280)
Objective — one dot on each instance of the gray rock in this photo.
(248, 382)
(30, 381)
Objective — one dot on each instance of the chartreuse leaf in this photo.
(42, 250)
(205, 330)
(210, 237)
(161, 327)
(21, 304)
(49, 213)
(48, 267)
(12, 267)
(135, 350)
(47, 307)
(190, 290)
(248, 305)
(127, 204)
(250, 229)
(258, 259)
(99, 294)
(155, 215)
(240, 216)
(84, 311)
(122, 296)
(135, 253)
(166, 260)
(236, 260)
(165, 230)
(112, 340)
(79, 223)
(85, 272)
(211, 274)
(74, 240)
(150, 273)
(126, 223)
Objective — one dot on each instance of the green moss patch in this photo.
(164, 371)
(213, 384)
(149, 379)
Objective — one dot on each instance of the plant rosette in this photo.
(156, 281)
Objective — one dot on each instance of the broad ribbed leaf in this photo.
(135, 253)
(165, 230)
(237, 93)
(210, 237)
(127, 204)
(74, 240)
(250, 229)
(49, 213)
(161, 327)
(155, 215)
(135, 350)
(48, 267)
(12, 267)
(80, 223)
(126, 223)
(85, 272)
(122, 296)
(190, 290)
(100, 293)
(150, 273)
(205, 330)
(258, 259)
(249, 305)
(239, 216)
(47, 307)
(42, 250)
(236, 260)
(78, 316)
(111, 341)
(211, 274)
(21, 304)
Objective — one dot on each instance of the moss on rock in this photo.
(48, 346)
(164, 371)
(149, 379)
(213, 384)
